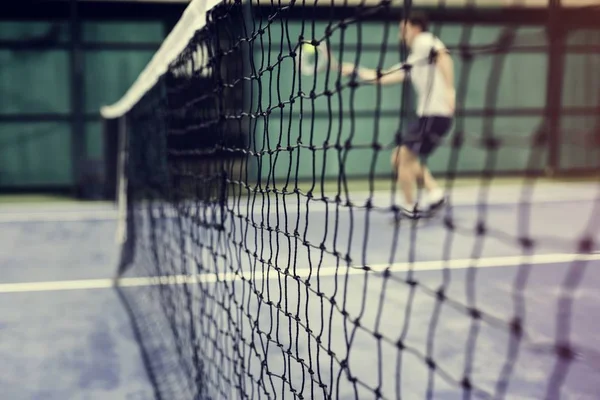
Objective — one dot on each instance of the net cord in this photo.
(193, 19)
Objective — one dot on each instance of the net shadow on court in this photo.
(291, 318)
(57, 342)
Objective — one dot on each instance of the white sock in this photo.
(435, 196)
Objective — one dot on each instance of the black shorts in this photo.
(424, 135)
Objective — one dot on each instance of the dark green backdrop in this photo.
(35, 92)
(47, 51)
(36, 100)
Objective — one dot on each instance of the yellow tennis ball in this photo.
(308, 48)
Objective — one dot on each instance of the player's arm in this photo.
(367, 75)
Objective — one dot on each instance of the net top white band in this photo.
(193, 19)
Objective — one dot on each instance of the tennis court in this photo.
(206, 199)
(70, 335)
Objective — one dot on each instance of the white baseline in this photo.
(327, 271)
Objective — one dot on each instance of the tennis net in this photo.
(264, 255)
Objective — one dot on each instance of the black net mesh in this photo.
(264, 257)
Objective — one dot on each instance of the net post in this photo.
(110, 139)
(121, 189)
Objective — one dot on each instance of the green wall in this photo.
(521, 84)
(35, 94)
(35, 102)
(35, 153)
(580, 137)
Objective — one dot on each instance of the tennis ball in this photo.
(308, 48)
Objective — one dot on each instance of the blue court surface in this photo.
(64, 334)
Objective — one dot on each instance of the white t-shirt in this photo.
(428, 81)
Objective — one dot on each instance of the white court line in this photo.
(58, 216)
(509, 261)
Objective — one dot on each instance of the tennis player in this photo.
(430, 69)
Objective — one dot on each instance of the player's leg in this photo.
(435, 130)
(423, 175)
(411, 172)
(406, 166)
(408, 170)
(435, 195)
(405, 161)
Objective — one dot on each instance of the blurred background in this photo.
(60, 61)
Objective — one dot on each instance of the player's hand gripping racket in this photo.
(315, 59)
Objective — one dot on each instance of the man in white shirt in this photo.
(430, 69)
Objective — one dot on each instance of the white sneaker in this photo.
(436, 199)
(409, 211)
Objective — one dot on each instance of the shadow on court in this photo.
(69, 344)
(286, 314)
